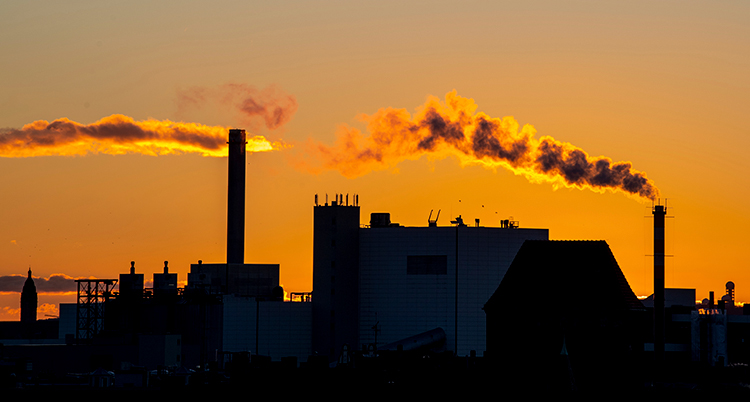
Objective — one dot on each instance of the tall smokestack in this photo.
(659, 211)
(236, 198)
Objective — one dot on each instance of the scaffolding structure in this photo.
(92, 293)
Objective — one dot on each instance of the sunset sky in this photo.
(663, 85)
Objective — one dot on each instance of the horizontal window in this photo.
(426, 264)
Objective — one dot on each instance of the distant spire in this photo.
(28, 300)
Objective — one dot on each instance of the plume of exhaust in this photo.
(270, 105)
(439, 129)
(118, 134)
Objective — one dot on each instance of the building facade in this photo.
(335, 277)
(382, 283)
(416, 279)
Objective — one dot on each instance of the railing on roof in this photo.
(300, 297)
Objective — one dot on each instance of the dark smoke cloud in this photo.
(118, 134)
(53, 284)
(271, 105)
(487, 145)
(116, 128)
(440, 130)
(453, 128)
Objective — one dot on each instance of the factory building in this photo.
(226, 308)
(459, 289)
(254, 316)
(592, 341)
(382, 283)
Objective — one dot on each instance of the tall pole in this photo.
(236, 198)
(455, 308)
(659, 212)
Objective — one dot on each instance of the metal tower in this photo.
(92, 293)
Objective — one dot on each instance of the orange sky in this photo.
(663, 86)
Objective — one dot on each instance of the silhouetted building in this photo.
(28, 300)
(589, 331)
(273, 328)
(131, 284)
(382, 283)
(707, 334)
(165, 284)
(335, 277)
(28, 330)
(233, 302)
(728, 299)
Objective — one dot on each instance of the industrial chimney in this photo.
(236, 198)
(659, 211)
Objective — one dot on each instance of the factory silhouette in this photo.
(432, 306)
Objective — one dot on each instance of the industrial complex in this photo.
(380, 290)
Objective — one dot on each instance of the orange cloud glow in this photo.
(10, 314)
(118, 134)
(47, 310)
(440, 129)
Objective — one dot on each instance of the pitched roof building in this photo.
(565, 312)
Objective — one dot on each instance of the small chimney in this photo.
(166, 268)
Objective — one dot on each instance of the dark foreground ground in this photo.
(455, 377)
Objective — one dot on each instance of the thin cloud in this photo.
(56, 283)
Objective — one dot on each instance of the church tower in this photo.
(28, 300)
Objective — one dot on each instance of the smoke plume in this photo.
(454, 128)
(118, 134)
(270, 105)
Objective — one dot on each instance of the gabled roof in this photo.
(581, 273)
